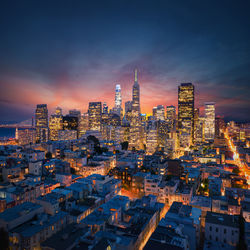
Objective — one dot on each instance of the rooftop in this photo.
(17, 211)
(222, 219)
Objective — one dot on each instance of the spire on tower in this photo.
(136, 79)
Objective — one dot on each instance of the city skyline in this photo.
(61, 57)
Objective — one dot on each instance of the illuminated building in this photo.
(209, 120)
(55, 124)
(128, 106)
(95, 115)
(64, 135)
(70, 122)
(199, 131)
(162, 132)
(196, 119)
(118, 97)
(41, 118)
(83, 124)
(219, 126)
(171, 112)
(135, 124)
(75, 113)
(171, 116)
(109, 126)
(105, 108)
(154, 112)
(26, 136)
(186, 114)
(151, 137)
(160, 113)
(118, 101)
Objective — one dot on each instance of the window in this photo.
(216, 238)
(225, 231)
(210, 228)
(210, 237)
(232, 232)
(216, 229)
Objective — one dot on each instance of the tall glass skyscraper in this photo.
(41, 119)
(95, 115)
(135, 124)
(186, 114)
(118, 101)
(118, 96)
(209, 120)
(55, 124)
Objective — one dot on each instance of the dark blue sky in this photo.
(67, 53)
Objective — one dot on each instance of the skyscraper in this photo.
(41, 118)
(136, 95)
(135, 124)
(75, 113)
(186, 114)
(171, 116)
(118, 96)
(160, 113)
(83, 124)
(196, 120)
(118, 101)
(105, 108)
(151, 137)
(128, 106)
(209, 120)
(55, 124)
(95, 115)
(171, 112)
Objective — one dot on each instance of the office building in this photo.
(151, 137)
(70, 122)
(83, 124)
(128, 106)
(41, 120)
(105, 108)
(160, 112)
(55, 124)
(135, 124)
(118, 101)
(95, 115)
(26, 136)
(186, 114)
(209, 120)
(171, 116)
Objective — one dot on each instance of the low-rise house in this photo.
(222, 228)
(30, 234)
(187, 219)
(18, 215)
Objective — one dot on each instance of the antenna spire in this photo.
(136, 79)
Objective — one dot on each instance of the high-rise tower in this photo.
(95, 115)
(118, 96)
(118, 101)
(209, 120)
(55, 124)
(135, 124)
(136, 95)
(186, 114)
(41, 118)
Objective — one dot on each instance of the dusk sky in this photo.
(67, 53)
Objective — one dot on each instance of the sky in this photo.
(68, 53)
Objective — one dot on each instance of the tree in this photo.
(72, 171)
(124, 145)
(48, 155)
(93, 139)
(236, 171)
(4, 242)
